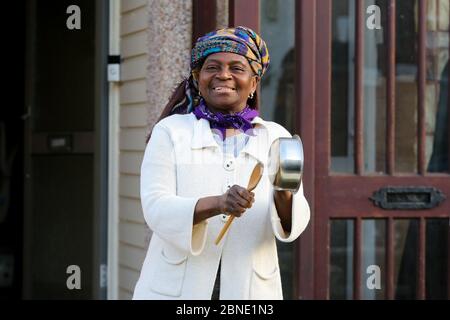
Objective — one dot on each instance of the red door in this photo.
(380, 145)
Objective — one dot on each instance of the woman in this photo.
(194, 174)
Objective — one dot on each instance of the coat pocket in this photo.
(169, 271)
(265, 285)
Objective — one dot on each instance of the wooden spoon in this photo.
(252, 183)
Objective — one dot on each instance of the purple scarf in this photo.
(240, 120)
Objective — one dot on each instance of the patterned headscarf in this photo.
(239, 40)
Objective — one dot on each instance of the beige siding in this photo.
(130, 210)
(132, 139)
(129, 186)
(130, 162)
(133, 233)
(128, 278)
(134, 44)
(134, 115)
(133, 21)
(131, 257)
(133, 92)
(128, 5)
(132, 68)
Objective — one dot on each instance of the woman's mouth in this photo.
(223, 89)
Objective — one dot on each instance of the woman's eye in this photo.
(238, 69)
(211, 68)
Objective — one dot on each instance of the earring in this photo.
(200, 94)
(251, 95)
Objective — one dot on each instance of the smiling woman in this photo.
(199, 159)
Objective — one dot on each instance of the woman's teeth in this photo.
(223, 89)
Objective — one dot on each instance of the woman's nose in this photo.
(223, 74)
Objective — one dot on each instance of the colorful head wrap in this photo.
(239, 40)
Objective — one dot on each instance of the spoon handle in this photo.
(224, 229)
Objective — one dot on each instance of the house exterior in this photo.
(365, 84)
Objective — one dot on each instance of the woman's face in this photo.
(225, 82)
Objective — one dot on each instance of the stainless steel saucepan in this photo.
(286, 163)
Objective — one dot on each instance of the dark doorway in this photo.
(65, 151)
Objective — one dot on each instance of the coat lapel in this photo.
(202, 136)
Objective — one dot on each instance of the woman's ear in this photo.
(255, 81)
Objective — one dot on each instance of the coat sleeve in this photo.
(300, 208)
(169, 216)
(300, 217)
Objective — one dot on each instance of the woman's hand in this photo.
(236, 200)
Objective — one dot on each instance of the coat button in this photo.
(226, 187)
(229, 165)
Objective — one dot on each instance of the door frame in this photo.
(101, 157)
(113, 159)
(308, 24)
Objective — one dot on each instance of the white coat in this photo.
(182, 163)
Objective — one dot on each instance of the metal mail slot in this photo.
(407, 198)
